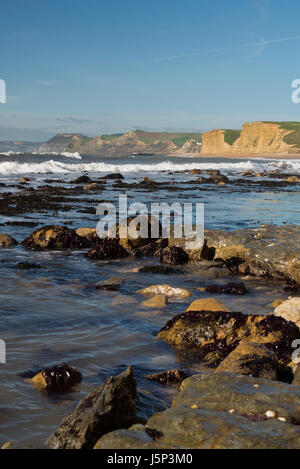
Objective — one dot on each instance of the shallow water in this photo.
(54, 315)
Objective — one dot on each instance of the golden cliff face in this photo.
(213, 143)
(256, 138)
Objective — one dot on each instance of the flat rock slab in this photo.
(220, 411)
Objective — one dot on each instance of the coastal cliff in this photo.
(137, 142)
(255, 138)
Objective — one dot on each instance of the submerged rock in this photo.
(277, 302)
(158, 269)
(54, 237)
(157, 301)
(168, 377)
(111, 284)
(110, 406)
(107, 249)
(174, 255)
(57, 379)
(7, 241)
(220, 411)
(289, 310)
(27, 265)
(249, 358)
(232, 288)
(113, 176)
(219, 332)
(166, 290)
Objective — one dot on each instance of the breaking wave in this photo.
(53, 167)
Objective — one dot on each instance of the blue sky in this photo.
(99, 67)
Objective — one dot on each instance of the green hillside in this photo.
(231, 135)
(178, 139)
(294, 137)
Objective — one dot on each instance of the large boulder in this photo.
(220, 411)
(7, 241)
(267, 251)
(55, 237)
(110, 406)
(289, 310)
(252, 359)
(214, 334)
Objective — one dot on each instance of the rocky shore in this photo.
(247, 395)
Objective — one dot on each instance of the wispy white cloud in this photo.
(263, 43)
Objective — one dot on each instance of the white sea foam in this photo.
(66, 154)
(53, 167)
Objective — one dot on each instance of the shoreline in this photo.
(274, 156)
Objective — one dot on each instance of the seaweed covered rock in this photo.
(152, 249)
(113, 176)
(205, 253)
(219, 332)
(139, 232)
(220, 411)
(7, 241)
(232, 288)
(110, 406)
(57, 379)
(249, 358)
(84, 179)
(174, 255)
(107, 249)
(168, 377)
(54, 237)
